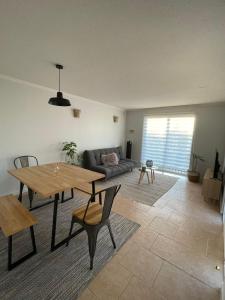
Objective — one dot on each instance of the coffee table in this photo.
(146, 171)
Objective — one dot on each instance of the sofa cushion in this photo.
(123, 166)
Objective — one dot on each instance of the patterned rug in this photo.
(143, 192)
(64, 273)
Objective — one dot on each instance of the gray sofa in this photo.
(92, 161)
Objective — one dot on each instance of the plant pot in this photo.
(193, 176)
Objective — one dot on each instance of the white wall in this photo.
(29, 125)
(209, 129)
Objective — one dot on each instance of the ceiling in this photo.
(127, 53)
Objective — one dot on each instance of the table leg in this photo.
(141, 177)
(21, 192)
(148, 177)
(54, 221)
(93, 190)
(55, 246)
(31, 196)
(151, 176)
(64, 200)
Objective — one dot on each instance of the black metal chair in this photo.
(24, 162)
(93, 216)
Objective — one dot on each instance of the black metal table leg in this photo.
(31, 196)
(64, 200)
(93, 191)
(54, 221)
(21, 192)
(55, 246)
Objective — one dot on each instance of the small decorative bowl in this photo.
(149, 163)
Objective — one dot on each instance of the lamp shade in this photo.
(59, 100)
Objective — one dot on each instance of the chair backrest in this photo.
(110, 194)
(24, 161)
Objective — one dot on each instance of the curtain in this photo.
(168, 142)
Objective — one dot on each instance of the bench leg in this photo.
(12, 265)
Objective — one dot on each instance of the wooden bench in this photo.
(14, 218)
(85, 188)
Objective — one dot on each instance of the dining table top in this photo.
(53, 178)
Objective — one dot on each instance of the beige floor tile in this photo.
(197, 229)
(134, 214)
(183, 230)
(164, 227)
(177, 218)
(145, 237)
(126, 247)
(197, 244)
(173, 283)
(110, 282)
(201, 267)
(204, 268)
(172, 251)
(137, 290)
(87, 295)
(215, 247)
(142, 263)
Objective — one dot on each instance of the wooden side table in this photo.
(147, 171)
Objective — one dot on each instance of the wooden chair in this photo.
(14, 218)
(24, 162)
(92, 217)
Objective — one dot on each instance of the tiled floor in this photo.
(173, 255)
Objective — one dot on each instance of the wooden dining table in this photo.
(52, 179)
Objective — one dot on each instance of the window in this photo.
(168, 141)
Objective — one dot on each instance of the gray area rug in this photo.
(143, 192)
(64, 273)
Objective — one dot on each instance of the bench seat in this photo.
(14, 218)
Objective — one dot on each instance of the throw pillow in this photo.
(110, 159)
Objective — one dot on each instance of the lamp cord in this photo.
(59, 80)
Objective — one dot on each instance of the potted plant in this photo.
(71, 152)
(193, 174)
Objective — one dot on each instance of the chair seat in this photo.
(93, 215)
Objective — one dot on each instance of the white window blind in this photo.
(168, 141)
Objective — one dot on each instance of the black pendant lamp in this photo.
(59, 100)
